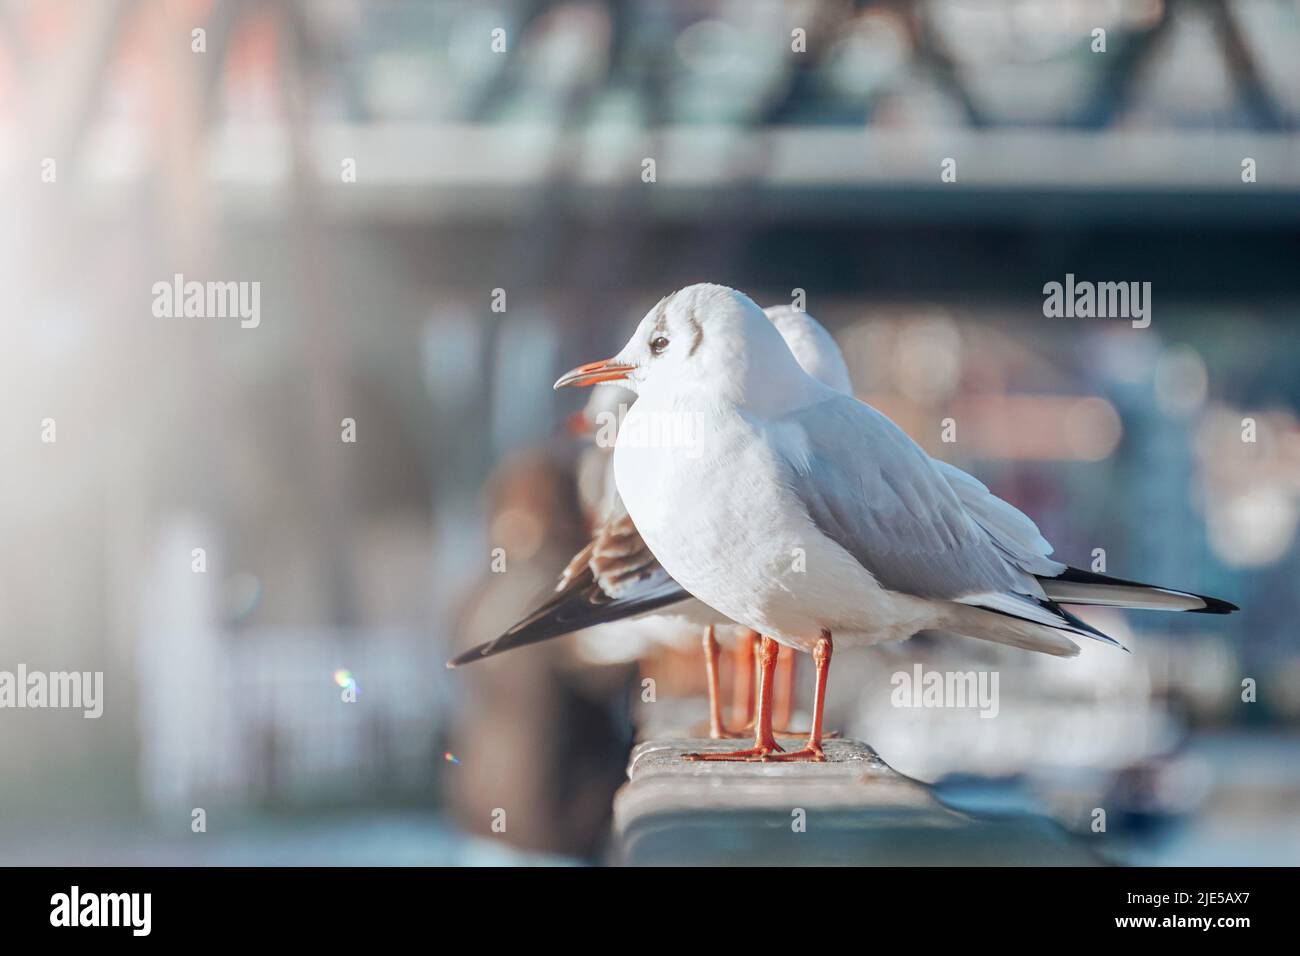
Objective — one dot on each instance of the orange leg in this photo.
(717, 730)
(783, 694)
(813, 749)
(784, 699)
(764, 743)
(745, 684)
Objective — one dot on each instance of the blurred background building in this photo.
(445, 204)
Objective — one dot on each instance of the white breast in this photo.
(722, 519)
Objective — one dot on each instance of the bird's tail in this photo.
(1073, 586)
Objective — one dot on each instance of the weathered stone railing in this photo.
(852, 809)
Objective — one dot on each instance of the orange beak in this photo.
(593, 373)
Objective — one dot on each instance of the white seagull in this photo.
(617, 577)
(810, 517)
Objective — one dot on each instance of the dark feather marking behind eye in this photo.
(697, 334)
(661, 314)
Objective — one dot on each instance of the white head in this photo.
(705, 341)
(813, 347)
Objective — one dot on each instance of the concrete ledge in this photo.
(854, 809)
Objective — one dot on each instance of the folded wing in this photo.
(613, 577)
(926, 528)
(877, 494)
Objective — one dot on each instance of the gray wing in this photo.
(1009, 528)
(875, 492)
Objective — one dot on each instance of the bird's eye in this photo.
(658, 344)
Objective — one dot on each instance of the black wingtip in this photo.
(476, 653)
(567, 612)
(1215, 606)
(1079, 576)
(1085, 626)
